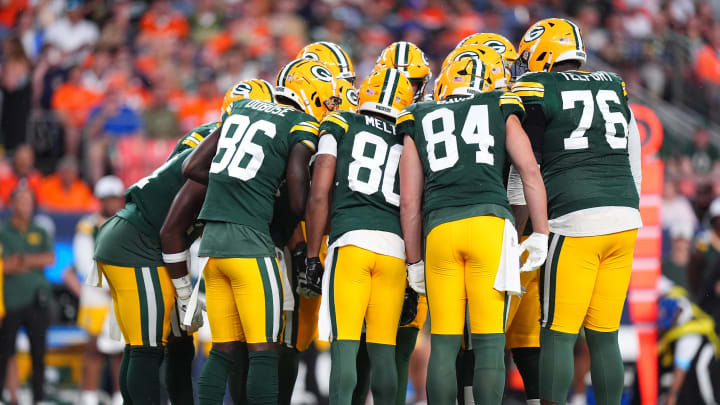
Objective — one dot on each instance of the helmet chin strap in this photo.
(305, 99)
(548, 63)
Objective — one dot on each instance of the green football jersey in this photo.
(194, 137)
(583, 151)
(147, 202)
(366, 194)
(461, 143)
(250, 162)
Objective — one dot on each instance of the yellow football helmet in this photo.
(348, 96)
(386, 91)
(492, 60)
(333, 56)
(308, 84)
(463, 77)
(548, 42)
(411, 61)
(494, 41)
(256, 89)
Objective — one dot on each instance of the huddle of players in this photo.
(404, 193)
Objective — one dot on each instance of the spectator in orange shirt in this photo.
(205, 106)
(161, 21)
(72, 102)
(64, 191)
(23, 169)
(707, 63)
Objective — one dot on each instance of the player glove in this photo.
(313, 277)
(416, 276)
(183, 291)
(537, 247)
(300, 269)
(410, 306)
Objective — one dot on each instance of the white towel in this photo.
(112, 327)
(288, 297)
(194, 297)
(324, 322)
(94, 278)
(508, 274)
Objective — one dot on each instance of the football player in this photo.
(95, 303)
(451, 191)
(588, 147)
(129, 257)
(357, 164)
(179, 231)
(301, 318)
(260, 144)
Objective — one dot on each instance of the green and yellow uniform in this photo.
(464, 200)
(366, 259)
(129, 255)
(243, 283)
(583, 152)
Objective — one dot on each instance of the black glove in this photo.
(313, 277)
(410, 307)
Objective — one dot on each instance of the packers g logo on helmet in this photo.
(495, 41)
(533, 33)
(410, 60)
(309, 85)
(255, 89)
(464, 77)
(332, 56)
(386, 91)
(548, 42)
(493, 61)
(348, 96)
(322, 73)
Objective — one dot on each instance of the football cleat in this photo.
(309, 85)
(385, 91)
(411, 61)
(255, 89)
(548, 42)
(492, 60)
(333, 56)
(464, 77)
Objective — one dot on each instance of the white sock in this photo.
(533, 402)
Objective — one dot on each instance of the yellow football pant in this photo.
(244, 299)
(585, 280)
(143, 297)
(523, 320)
(461, 262)
(366, 285)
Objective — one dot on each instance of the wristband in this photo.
(175, 257)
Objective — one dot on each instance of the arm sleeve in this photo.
(635, 152)
(83, 250)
